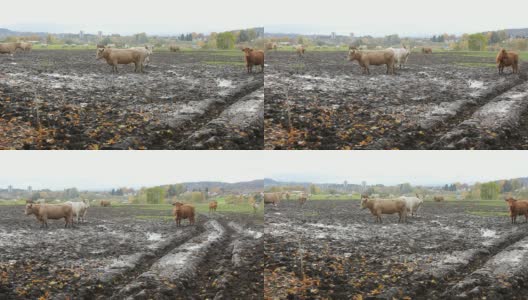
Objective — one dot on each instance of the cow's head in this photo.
(100, 53)
(29, 209)
(354, 54)
(364, 200)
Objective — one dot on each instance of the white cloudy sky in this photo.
(106, 169)
(125, 16)
(404, 17)
(394, 167)
(379, 17)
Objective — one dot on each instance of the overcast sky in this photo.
(395, 167)
(378, 18)
(107, 169)
(127, 17)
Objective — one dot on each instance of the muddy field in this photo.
(333, 249)
(439, 101)
(132, 253)
(65, 99)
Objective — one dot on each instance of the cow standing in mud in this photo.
(116, 57)
(517, 208)
(43, 212)
(380, 207)
(373, 58)
(253, 58)
(507, 59)
(302, 199)
(183, 211)
(272, 198)
(212, 206)
(105, 203)
(9, 48)
(300, 50)
(427, 50)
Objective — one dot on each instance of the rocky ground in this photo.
(334, 250)
(133, 253)
(439, 101)
(65, 99)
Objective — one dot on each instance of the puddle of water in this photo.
(488, 233)
(517, 96)
(475, 84)
(224, 83)
(152, 236)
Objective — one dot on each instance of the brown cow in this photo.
(212, 206)
(116, 57)
(438, 198)
(43, 212)
(174, 48)
(507, 59)
(183, 211)
(271, 46)
(302, 199)
(385, 206)
(427, 50)
(373, 58)
(272, 198)
(300, 50)
(105, 203)
(9, 48)
(253, 58)
(517, 208)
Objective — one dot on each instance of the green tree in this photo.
(197, 197)
(405, 188)
(141, 38)
(243, 36)
(225, 40)
(252, 34)
(507, 187)
(489, 191)
(51, 39)
(171, 191)
(315, 189)
(477, 42)
(494, 37)
(155, 195)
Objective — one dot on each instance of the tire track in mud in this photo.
(205, 261)
(240, 126)
(475, 124)
(451, 125)
(469, 272)
(169, 274)
(220, 274)
(209, 109)
(128, 267)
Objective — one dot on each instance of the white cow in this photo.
(412, 204)
(148, 52)
(79, 209)
(400, 56)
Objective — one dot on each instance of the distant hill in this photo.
(245, 186)
(523, 32)
(4, 32)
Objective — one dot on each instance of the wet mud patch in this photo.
(333, 249)
(73, 101)
(322, 101)
(109, 255)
